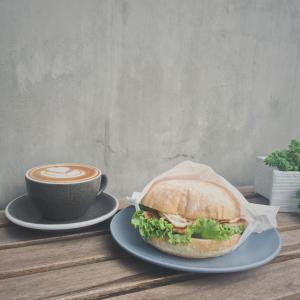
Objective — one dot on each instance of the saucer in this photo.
(22, 212)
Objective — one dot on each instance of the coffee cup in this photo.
(64, 191)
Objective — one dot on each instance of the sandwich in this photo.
(190, 218)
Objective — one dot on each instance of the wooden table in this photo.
(89, 265)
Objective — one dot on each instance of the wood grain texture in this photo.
(290, 297)
(66, 253)
(3, 220)
(128, 276)
(15, 236)
(55, 260)
(268, 282)
(53, 251)
(248, 191)
(88, 265)
(288, 221)
(72, 280)
(57, 255)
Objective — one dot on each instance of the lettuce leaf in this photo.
(150, 227)
(213, 230)
(202, 228)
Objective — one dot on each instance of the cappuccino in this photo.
(63, 173)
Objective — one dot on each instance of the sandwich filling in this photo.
(179, 230)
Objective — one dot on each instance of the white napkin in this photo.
(259, 217)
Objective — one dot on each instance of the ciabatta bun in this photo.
(193, 199)
(198, 248)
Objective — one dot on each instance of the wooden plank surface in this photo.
(57, 255)
(70, 280)
(89, 265)
(95, 248)
(13, 236)
(87, 258)
(269, 282)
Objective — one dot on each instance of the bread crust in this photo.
(198, 248)
(193, 199)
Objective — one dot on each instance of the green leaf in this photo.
(287, 159)
(210, 229)
(202, 228)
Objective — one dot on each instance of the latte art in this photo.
(64, 173)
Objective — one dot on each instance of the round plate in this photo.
(257, 250)
(22, 211)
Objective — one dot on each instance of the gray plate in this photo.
(22, 211)
(257, 250)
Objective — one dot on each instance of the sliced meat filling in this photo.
(180, 223)
(177, 220)
(150, 214)
(180, 230)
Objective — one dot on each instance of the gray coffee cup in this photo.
(64, 200)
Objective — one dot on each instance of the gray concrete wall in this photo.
(134, 87)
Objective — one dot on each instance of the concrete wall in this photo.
(134, 87)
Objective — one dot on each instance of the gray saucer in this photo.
(22, 211)
(257, 250)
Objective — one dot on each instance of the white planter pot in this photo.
(278, 186)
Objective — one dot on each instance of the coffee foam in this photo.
(64, 173)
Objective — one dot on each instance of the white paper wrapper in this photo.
(259, 217)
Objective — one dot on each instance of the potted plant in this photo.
(277, 177)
